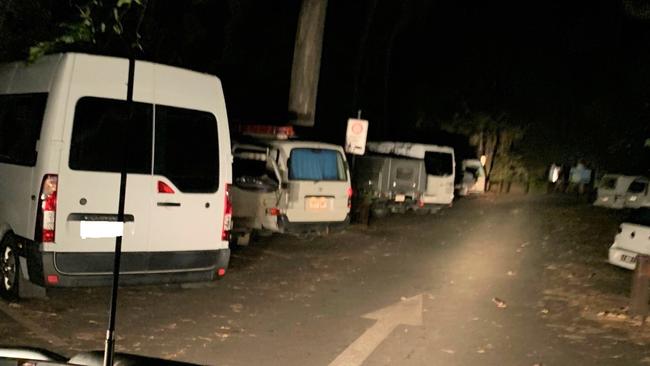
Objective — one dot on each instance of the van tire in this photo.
(9, 269)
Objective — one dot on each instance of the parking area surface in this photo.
(495, 280)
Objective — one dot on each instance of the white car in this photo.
(612, 189)
(633, 238)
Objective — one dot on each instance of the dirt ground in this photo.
(504, 280)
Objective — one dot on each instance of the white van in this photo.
(439, 164)
(290, 186)
(60, 162)
(612, 189)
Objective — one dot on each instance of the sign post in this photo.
(356, 135)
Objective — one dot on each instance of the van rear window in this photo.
(438, 163)
(187, 149)
(404, 173)
(186, 142)
(21, 118)
(97, 136)
(316, 164)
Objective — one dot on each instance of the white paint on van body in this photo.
(194, 225)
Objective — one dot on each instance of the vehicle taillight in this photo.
(273, 211)
(350, 193)
(164, 187)
(46, 213)
(227, 215)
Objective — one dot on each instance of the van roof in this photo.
(168, 85)
(290, 144)
(406, 148)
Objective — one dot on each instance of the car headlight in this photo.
(633, 198)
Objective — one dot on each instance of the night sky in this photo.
(573, 74)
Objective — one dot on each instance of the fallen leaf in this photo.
(499, 303)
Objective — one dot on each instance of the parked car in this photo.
(637, 194)
(633, 238)
(612, 189)
(473, 178)
(439, 165)
(61, 155)
(289, 186)
(392, 184)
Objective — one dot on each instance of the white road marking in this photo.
(407, 311)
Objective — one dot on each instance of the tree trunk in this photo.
(361, 57)
(306, 61)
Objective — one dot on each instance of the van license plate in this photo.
(317, 203)
(400, 198)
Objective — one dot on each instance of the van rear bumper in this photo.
(320, 227)
(95, 269)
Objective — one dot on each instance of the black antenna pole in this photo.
(109, 349)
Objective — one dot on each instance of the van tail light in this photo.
(273, 211)
(46, 212)
(227, 215)
(420, 203)
(350, 194)
(164, 188)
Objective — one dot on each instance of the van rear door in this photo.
(439, 167)
(192, 166)
(89, 174)
(318, 185)
(186, 173)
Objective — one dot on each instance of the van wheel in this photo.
(9, 269)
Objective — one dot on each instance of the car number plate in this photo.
(317, 203)
(400, 198)
(628, 258)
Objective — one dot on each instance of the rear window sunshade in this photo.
(316, 165)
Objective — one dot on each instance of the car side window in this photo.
(21, 118)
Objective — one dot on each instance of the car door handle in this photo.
(169, 204)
